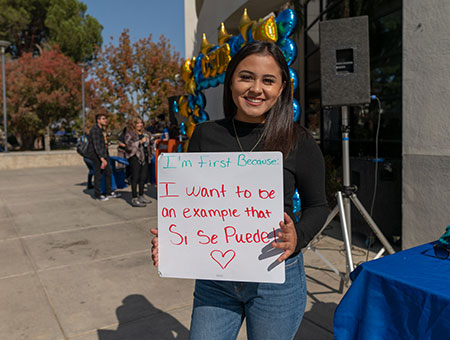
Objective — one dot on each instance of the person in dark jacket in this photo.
(98, 146)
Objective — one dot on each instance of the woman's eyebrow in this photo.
(252, 73)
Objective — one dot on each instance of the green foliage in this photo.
(138, 78)
(33, 24)
(77, 34)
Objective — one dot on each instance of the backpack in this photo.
(83, 147)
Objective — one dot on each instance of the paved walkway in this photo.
(75, 268)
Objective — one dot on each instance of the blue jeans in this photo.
(272, 311)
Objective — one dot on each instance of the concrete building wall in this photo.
(190, 27)
(426, 120)
(39, 159)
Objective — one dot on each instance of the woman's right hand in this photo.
(154, 246)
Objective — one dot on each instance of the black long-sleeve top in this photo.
(303, 169)
(97, 142)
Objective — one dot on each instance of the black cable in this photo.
(380, 112)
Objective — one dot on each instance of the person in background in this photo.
(152, 126)
(165, 136)
(257, 102)
(139, 154)
(98, 148)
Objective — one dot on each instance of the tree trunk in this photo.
(346, 8)
(26, 142)
(47, 138)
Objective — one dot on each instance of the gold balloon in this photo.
(183, 106)
(266, 30)
(223, 35)
(190, 126)
(186, 70)
(206, 71)
(213, 59)
(191, 86)
(196, 111)
(223, 58)
(206, 45)
(245, 24)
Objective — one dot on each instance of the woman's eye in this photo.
(269, 81)
(246, 77)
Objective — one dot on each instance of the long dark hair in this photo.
(279, 131)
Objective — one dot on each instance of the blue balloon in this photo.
(221, 78)
(191, 102)
(286, 23)
(200, 100)
(250, 35)
(293, 75)
(289, 49)
(235, 43)
(197, 70)
(202, 83)
(297, 110)
(202, 117)
(213, 81)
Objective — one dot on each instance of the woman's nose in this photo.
(256, 87)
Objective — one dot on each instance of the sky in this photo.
(142, 18)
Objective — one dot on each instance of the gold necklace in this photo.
(239, 142)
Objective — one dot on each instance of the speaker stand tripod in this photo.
(343, 208)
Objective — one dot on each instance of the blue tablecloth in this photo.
(118, 175)
(401, 296)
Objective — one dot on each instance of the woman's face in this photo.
(255, 87)
(139, 125)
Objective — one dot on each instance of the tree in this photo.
(42, 91)
(138, 78)
(33, 24)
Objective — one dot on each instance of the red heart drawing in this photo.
(220, 257)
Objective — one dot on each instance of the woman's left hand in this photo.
(287, 238)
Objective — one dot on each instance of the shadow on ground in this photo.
(312, 326)
(140, 320)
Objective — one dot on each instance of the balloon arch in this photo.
(208, 68)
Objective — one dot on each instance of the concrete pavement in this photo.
(75, 268)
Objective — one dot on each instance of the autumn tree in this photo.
(32, 25)
(138, 78)
(42, 91)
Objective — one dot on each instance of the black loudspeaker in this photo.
(345, 61)
(387, 210)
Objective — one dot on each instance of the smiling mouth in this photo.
(254, 100)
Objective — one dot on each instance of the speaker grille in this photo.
(344, 61)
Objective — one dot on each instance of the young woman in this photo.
(257, 102)
(139, 153)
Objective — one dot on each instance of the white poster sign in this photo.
(218, 214)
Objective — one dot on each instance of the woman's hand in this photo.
(143, 140)
(287, 238)
(154, 246)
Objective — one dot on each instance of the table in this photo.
(401, 296)
(117, 176)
